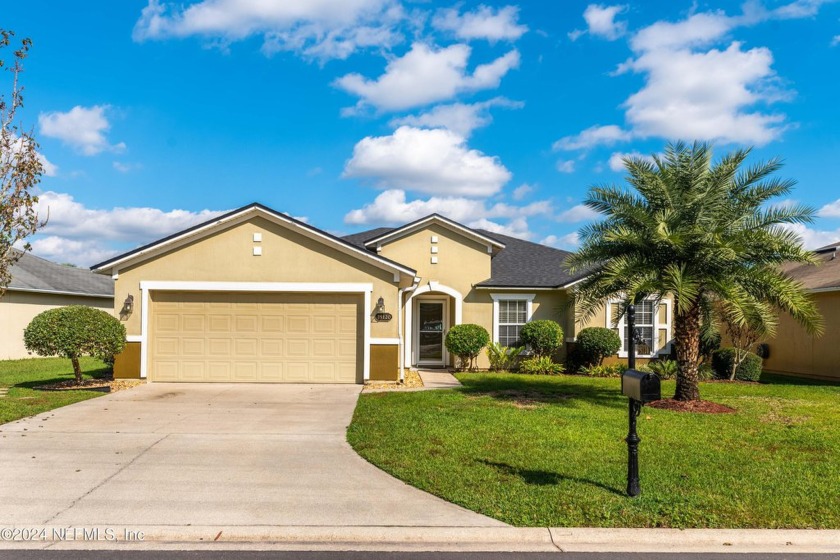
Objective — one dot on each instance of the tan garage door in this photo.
(250, 337)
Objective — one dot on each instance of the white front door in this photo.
(430, 328)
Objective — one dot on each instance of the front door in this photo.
(431, 318)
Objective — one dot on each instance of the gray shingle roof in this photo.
(824, 276)
(521, 264)
(34, 273)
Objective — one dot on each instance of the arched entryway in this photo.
(430, 311)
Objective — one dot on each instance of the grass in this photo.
(550, 451)
(21, 376)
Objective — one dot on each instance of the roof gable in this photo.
(235, 217)
(402, 231)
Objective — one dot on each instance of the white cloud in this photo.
(522, 191)
(830, 210)
(72, 251)
(576, 34)
(426, 75)
(483, 23)
(391, 207)
(835, 41)
(814, 238)
(705, 95)
(71, 219)
(616, 161)
(593, 136)
(124, 167)
(578, 213)
(695, 31)
(321, 29)
(568, 241)
(601, 21)
(82, 128)
(434, 161)
(515, 228)
(460, 118)
(565, 165)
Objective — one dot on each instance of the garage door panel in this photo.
(256, 337)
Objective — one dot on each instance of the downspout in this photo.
(400, 352)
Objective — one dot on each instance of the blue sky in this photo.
(155, 115)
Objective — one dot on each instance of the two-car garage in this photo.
(254, 337)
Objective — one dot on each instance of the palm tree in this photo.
(703, 232)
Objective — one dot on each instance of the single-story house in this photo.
(795, 352)
(37, 285)
(257, 296)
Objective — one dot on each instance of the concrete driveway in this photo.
(205, 454)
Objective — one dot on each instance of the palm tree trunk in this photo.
(687, 338)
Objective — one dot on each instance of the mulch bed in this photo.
(106, 385)
(706, 407)
(412, 381)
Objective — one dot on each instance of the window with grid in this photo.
(645, 317)
(513, 313)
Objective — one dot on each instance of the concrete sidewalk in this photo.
(462, 539)
(438, 379)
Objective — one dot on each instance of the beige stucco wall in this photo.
(793, 351)
(287, 256)
(17, 309)
(462, 263)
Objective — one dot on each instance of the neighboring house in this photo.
(255, 295)
(793, 350)
(38, 285)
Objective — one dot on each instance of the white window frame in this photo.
(658, 346)
(529, 308)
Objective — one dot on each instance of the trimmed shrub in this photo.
(75, 331)
(612, 370)
(593, 344)
(466, 342)
(665, 369)
(540, 365)
(542, 338)
(503, 358)
(749, 370)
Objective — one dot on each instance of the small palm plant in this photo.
(703, 232)
(502, 358)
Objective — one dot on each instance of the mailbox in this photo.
(641, 386)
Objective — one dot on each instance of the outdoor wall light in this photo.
(380, 304)
(128, 305)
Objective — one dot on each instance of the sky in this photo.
(154, 115)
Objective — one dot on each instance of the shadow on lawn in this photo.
(545, 478)
(97, 373)
(554, 390)
(778, 379)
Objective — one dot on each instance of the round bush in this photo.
(749, 370)
(593, 344)
(543, 337)
(466, 341)
(75, 331)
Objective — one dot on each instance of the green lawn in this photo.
(20, 376)
(550, 451)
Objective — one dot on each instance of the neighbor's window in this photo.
(513, 313)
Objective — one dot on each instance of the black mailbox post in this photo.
(641, 388)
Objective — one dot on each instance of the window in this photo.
(512, 315)
(510, 312)
(653, 327)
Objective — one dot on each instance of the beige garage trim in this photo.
(254, 337)
(271, 333)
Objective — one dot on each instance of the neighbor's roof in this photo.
(521, 264)
(823, 277)
(34, 274)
